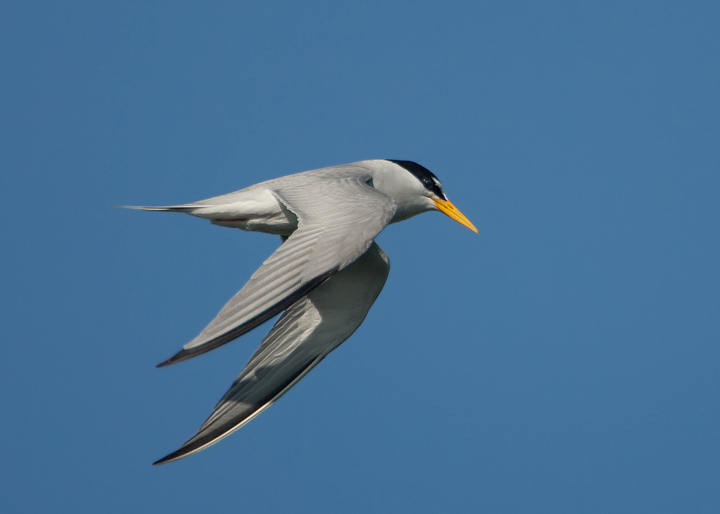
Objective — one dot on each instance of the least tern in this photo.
(323, 278)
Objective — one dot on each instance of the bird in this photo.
(323, 278)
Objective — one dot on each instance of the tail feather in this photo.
(165, 208)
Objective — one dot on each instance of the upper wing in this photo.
(337, 221)
(309, 330)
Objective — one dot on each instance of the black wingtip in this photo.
(193, 445)
(186, 354)
(185, 450)
(168, 458)
(178, 357)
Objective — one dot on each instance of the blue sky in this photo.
(566, 360)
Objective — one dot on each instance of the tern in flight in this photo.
(323, 278)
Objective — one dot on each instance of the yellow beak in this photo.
(446, 207)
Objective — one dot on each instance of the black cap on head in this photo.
(424, 175)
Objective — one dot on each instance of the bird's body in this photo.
(324, 277)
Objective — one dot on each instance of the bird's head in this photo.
(416, 189)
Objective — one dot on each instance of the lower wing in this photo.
(303, 336)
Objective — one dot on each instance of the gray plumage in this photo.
(324, 277)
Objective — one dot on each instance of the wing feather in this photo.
(303, 336)
(337, 222)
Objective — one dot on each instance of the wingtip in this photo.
(178, 357)
(164, 460)
(194, 445)
(177, 454)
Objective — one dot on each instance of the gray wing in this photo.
(337, 221)
(309, 330)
